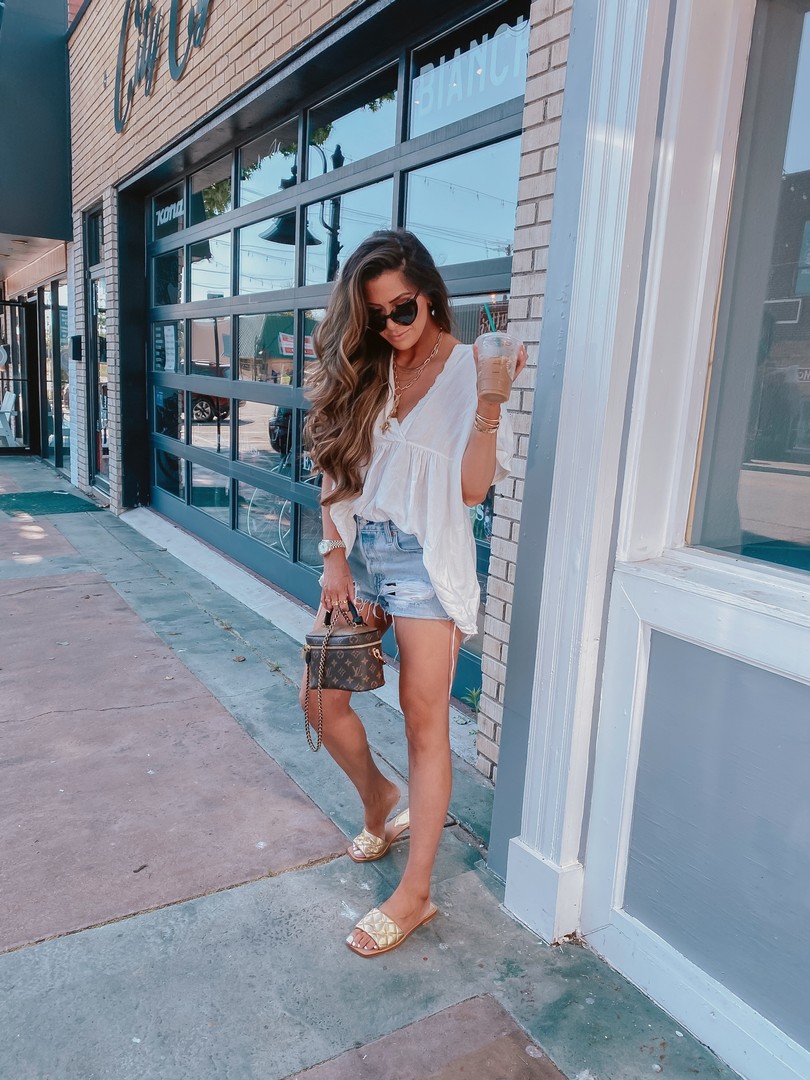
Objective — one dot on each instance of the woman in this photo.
(404, 447)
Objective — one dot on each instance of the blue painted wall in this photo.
(34, 136)
(719, 855)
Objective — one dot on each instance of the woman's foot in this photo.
(376, 815)
(408, 912)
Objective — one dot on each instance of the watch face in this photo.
(323, 547)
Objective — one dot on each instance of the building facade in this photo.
(625, 186)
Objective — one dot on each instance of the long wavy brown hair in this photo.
(349, 382)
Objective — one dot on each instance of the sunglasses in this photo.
(403, 315)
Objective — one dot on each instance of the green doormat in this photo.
(37, 503)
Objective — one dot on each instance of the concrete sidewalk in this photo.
(174, 888)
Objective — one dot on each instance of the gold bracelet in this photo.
(486, 427)
(488, 419)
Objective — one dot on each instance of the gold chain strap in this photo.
(315, 746)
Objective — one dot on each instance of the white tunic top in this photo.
(414, 480)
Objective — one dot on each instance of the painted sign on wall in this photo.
(144, 20)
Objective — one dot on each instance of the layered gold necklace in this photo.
(399, 389)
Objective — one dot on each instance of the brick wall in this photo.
(548, 53)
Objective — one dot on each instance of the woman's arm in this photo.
(337, 585)
(478, 463)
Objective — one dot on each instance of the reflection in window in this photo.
(265, 436)
(170, 474)
(266, 263)
(167, 278)
(168, 351)
(753, 495)
(265, 162)
(265, 517)
(311, 320)
(310, 530)
(211, 423)
(210, 191)
(168, 212)
(471, 69)
(211, 268)
(64, 355)
(267, 347)
(474, 315)
(353, 125)
(340, 223)
(463, 208)
(49, 444)
(306, 468)
(170, 412)
(211, 347)
(210, 492)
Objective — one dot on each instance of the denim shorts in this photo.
(389, 572)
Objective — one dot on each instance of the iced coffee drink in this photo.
(497, 360)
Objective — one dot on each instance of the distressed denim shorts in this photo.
(389, 572)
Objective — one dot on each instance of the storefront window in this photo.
(168, 347)
(267, 347)
(170, 412)
(310, 531)
(169, 212)
(470, 70)
(167, 278)
(265, 517)
(211, 423)
(463, 208)
(64, 371)
(49, 435)
(753, 492)
(306, 468)
(353, 125)
(337, 226)
(210, 492)
(211, 268)
(170, 474)
(266, 162)
(210, 191)
(210, 352)
(311, 319)
(265, 436)
(267, 255)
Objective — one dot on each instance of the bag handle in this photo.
(356, 618)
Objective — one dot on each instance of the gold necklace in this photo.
(398, 390)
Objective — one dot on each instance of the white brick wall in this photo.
(548, 54)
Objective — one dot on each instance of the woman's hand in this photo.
(337, 584)
(522, 360)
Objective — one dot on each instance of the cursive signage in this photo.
(145, 19)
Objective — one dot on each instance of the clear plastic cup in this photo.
(497, 361)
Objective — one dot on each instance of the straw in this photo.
(488, 314)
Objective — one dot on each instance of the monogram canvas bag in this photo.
(344, 656)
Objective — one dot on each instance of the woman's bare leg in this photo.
(345, 739)
(428, 650)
